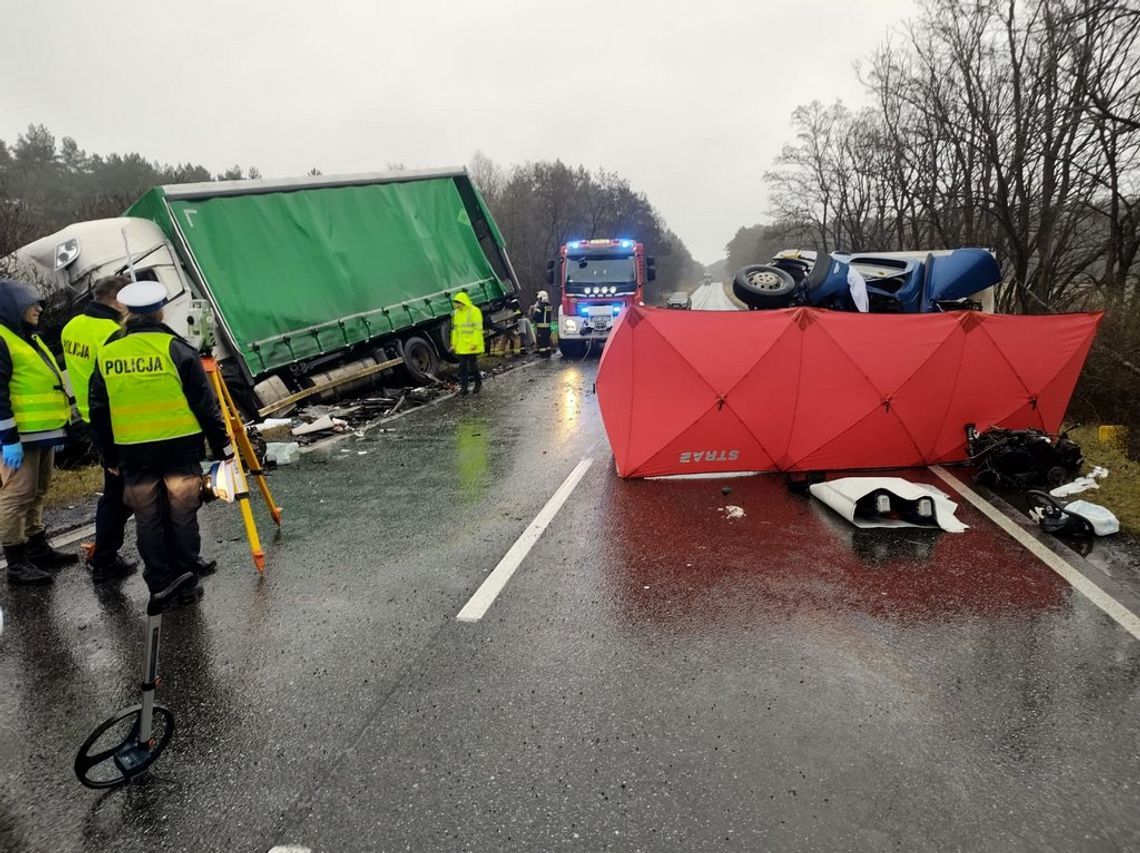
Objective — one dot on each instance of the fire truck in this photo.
(599, 279)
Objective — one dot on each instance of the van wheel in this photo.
(763, 286)
(420, 360)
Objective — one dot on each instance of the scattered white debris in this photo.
(732, 511)
(321, 424)
(282, 452)
(272, 423)
(1081, 484)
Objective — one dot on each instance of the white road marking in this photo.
(1124, 617)
(489, 590)
(289, 848)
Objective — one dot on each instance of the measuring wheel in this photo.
(126, 744)
(114, 754)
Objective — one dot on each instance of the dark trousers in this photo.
(542, 337)
(469, 370)
(111, 516)
(166, 516)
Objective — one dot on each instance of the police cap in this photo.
(143, 297)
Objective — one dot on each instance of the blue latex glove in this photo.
(13, 455)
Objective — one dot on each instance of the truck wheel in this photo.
(572, 349)
(443, 342)
(420, 360)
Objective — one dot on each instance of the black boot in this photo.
(20, 571)
(114, 570)
(43, 556)
(190, 595)
(203, 567)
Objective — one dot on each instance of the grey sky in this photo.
(689, 101)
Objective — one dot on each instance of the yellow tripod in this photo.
(246, 458)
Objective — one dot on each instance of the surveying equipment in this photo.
(103, 762)
(244, 458)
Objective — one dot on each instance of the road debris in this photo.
(326, 423)
(1079, 518)
(888, 502)
(282, 452)
(1081, 484)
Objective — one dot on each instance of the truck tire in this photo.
(420, 360)
(443, 342)
(763, 286)
(572, 349)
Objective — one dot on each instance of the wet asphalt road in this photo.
(654, 677)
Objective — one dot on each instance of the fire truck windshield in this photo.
(583, 271)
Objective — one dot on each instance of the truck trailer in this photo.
(302, 284)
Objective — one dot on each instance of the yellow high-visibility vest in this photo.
(144, 389)
(40, 407)
(82, 338)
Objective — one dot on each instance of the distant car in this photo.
(680, 300)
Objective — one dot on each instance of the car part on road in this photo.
(1079, 518)
(888, 502)
(1022, 458)
(109, 758)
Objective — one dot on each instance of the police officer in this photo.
(467, 340)
(82, 338)
(34, 413)
(541, 315)
(150, 405)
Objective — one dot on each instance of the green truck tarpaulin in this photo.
(300, 271)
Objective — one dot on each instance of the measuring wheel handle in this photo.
(117, 765)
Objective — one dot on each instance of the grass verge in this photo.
(1120, 490)
(72, 486)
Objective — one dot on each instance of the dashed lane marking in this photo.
(489, 590)
(1120, 614)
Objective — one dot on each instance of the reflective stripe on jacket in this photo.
(82, 338)
(144, 390)
(40, 406)
(540, 315)
(466, 327)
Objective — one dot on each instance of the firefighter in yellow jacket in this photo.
(467, 340)
(83, 337)
(34, 413)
